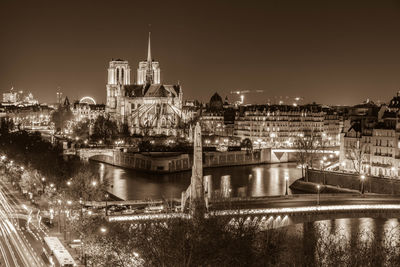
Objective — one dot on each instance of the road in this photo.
(20, 241)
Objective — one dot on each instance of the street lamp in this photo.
(81, 203)
(103, 230)
(362, 183)
(318, 189)
(106, 195)
(94, 183)
(69, 183)
(59, 214)
(286, 180)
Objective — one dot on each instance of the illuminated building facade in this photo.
(278, 125)
(28, 117)
(148, 107)
(218, 118)
(87, 109)
(371, 143)
(18, 98)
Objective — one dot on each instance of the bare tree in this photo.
(357, 155)
(307, 145)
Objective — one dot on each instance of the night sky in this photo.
(330, 52)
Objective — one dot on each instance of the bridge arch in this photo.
(281, 217)
(103, 154)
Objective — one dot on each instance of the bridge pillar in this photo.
(226, 189)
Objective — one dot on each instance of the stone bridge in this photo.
(87, 153)
(281, 217)
(283, 211)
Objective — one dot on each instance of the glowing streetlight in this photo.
(69, 183)
(103, 230)
(51, 185)
(94, 183)
(69, 202)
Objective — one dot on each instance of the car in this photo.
(128, 211)
(154, 209)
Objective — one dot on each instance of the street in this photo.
(20, 241)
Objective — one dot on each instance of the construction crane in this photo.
(243, 92)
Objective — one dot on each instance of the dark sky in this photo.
(331, 52)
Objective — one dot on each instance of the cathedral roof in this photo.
(153, 90)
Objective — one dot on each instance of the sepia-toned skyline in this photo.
(337, 53)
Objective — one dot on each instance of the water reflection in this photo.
(371, 233)
(260, 180)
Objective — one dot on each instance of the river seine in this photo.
(265, 180)
(254, 180)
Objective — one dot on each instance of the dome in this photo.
(216, 102)
(216, 98)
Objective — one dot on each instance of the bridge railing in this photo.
(309, 209)
(307, 196)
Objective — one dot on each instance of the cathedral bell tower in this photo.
(119, 74)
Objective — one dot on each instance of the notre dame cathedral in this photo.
(147, 106)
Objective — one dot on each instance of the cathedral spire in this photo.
(149, 59)
(149, 70)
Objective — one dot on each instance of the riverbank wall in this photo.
(372, 184)
(301, 187)
(169, 162)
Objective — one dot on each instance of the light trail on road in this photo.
(14, 247)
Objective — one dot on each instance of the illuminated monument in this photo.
(148, 107)
(195, 191)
